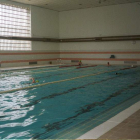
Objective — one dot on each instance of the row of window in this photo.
(14, 21)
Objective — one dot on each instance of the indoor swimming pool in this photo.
(63, 103)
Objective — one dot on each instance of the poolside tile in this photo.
(128, 129)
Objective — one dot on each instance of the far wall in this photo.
(112, 20)
(115, 20)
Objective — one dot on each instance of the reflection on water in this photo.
(18, 135)
(14, 82)
(11, 113)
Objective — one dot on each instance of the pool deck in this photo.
(125, 125)
(128, 129)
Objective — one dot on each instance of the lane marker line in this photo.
(132, 109)
(97, 120)
(39, 85)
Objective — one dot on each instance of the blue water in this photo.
(42, 112)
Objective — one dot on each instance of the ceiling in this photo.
(65, 5)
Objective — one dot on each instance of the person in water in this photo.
(80, 63)
(108, 64)
(34, 81)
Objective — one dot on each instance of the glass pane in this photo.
(14, 21)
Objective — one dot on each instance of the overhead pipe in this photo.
(93, 39)
(30, 39)
(99, 39)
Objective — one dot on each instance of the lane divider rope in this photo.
(39, 85)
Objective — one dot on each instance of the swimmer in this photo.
(108, 64)
(80, 63)
(33, 80)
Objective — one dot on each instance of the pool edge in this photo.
(111, 123)
(86, 127)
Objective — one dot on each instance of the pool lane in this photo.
(59, 78)
(23, 81)
(95, 106)
(27, 69)
(26, 72)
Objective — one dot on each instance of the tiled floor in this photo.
(128, 129)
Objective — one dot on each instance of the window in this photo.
(14, 21)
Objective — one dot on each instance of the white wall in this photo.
(112, 20)
(44, 23)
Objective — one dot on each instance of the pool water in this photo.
(45, 110)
